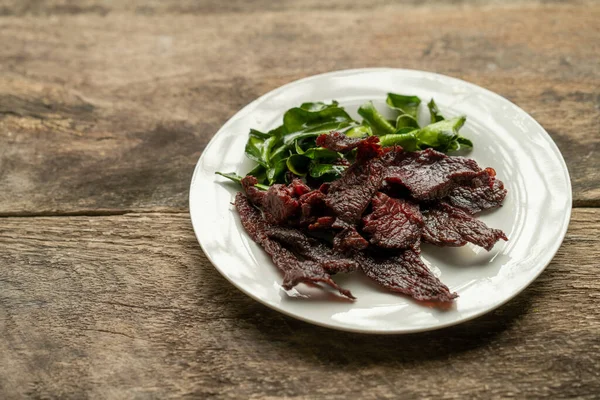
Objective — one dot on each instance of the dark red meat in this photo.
(482, 193)
(429, 174)
(348, 239)
(324, 187)
(415, 196)
(279, 205)
(405, 273)
(368, 148)
(311, 249)
(255, 195)
(394, 223)
(322, 223)
(312, 202)
(337, 141)
(350, 195)
(446, 225)
(299, 187)
(295, 271)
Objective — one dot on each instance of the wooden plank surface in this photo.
(128, 306)
(177, 7)
(106, 106)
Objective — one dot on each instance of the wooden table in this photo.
(105, 107)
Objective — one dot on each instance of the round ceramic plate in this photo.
(534, 216)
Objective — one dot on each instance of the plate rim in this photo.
(346, 72)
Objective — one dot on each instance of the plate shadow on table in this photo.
(304, 340)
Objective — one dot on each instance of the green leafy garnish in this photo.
(298, 164)
(408, 140)
(327, 172)
(406, 121)
(464, 142)
(291, 147)
(408, 105)
(259, 172)
(311, 115)
(435, 113)
(320, 153)
(238, 179)
(359, 131)
(441, 134)
(255, 147)
(376, 121)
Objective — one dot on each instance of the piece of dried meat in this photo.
(482, 193)
(446, 225)
(350, 195)
(300, 188)
(405, 273)
(322, 223)
(255, 195)
(337, 141)
(430, 175)
(279, 204)
(347, 239)
(312, 206)
(295, 271)
(311, 249)
(394, 223)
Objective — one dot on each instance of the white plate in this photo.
(535, 214)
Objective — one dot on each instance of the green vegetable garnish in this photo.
(298, 164)
(375, 120)
(359, 131)
(435, 113)
(408, 105)
(407, 140)
(311, 115)
(327, 172)
(291, 147)
(406, 121)
(238, 179)
(441, 134)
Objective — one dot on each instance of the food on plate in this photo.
(294, 269)
(343, 196)
(292, 146)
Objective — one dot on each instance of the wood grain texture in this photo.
(129, 307)
(161, 7)
(106, 105)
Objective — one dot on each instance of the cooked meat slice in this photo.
(446, 225)
(295, 271)
(311, 249)
(336, 141)
(348, 239)
(369, 148)
(429, 174)
(394, 223)
(350, 195)
(322, 223)
(279, 205)
(311, 202)
(255, 195)
(482, 193)
(405, 273)
(299, 187)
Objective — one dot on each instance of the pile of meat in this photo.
(374, 217)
